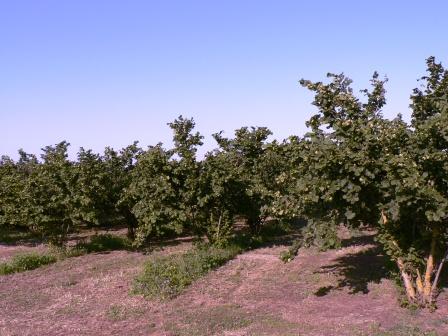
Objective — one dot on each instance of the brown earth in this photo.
(341, 292)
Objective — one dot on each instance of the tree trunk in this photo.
(439, 270)
(419, 283)
(131, 222)
(407, 280)
(427, 285)
(219, 228)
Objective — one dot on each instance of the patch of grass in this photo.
(73, 306)
(26, 262)
(75, 251)
(26, 299)
(211, 321)
(406, 331)
(121, 313)
(399, 330)
(275, 325)
(70, 281)
(221, 319)
(116, 313)
(166, 276)
(63, 252)
(103, 243)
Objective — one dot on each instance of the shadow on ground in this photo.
(356, 270)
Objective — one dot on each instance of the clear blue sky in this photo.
(100, 73)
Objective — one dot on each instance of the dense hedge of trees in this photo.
(354, 167)
(154, 192)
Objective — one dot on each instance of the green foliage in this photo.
(54, 196)
(171, 191)
(335, 172)
(166, 276)
(318, 233)
(118, 167)
(152, 191)
(164, 185)
(355, 167)
(251, 166)
(219, 226)
(26, 262)
(415, 190)
(47, 206)
(156, 192)
(292, 251)
(91, 193)
(322, 234)
(13, 178)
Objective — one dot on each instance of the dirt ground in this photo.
(341, 292)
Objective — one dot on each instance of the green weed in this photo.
(26, 262)
(166, 276)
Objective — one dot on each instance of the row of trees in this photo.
(354, 167)
(53, 196)
(155, 192)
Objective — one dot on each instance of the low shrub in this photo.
(26, 262)
(166, 276)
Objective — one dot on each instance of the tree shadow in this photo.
(272, 233)
(12, 236)
(366, 238)
(322, 291)
(356, 270)
(276, 232)
(168, 242)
